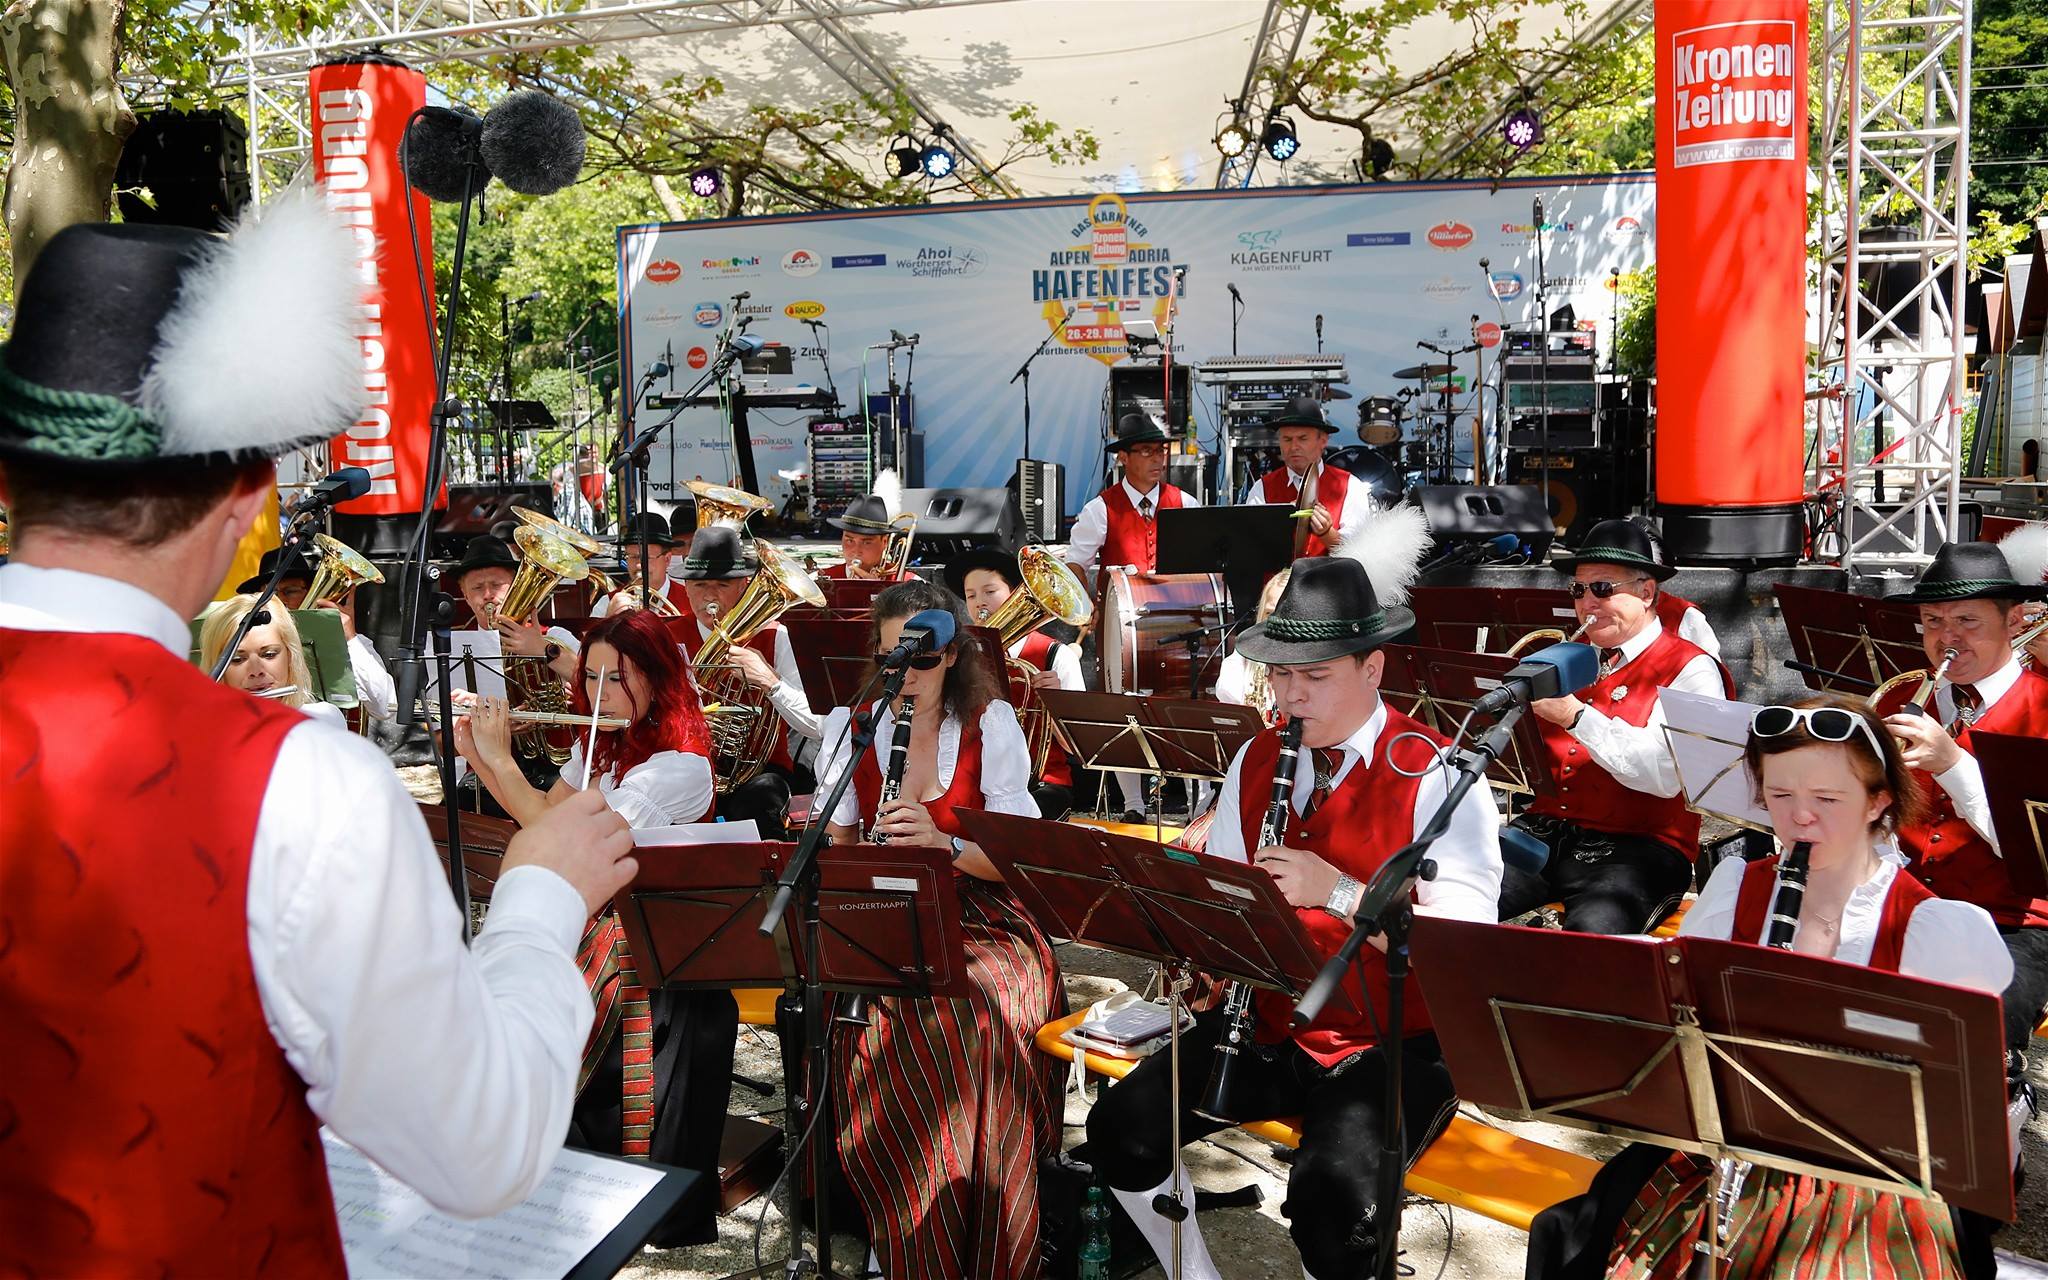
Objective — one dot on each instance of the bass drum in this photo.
(1145, 622)
(1372, 469)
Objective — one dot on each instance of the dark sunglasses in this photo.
(1826, 724)
(1601, 590)
(917, 662)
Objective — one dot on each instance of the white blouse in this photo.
(1005, 760)
(667, 789)
(1946, 941)
(1233, 679)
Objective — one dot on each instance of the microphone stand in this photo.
(1385, 909)
(1543, 368)
(1024, 372)
(293, 535)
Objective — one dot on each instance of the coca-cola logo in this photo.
(1450, 235)
(664, 271)
(698, 357)
(1488, 334)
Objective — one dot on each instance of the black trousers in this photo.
(2027, 994)
(1608, 883)
(1053, 799)
(764, 798)
(1330, 1191)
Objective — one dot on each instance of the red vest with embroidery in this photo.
(1760, 881)
(1591, 797)
(964, 793)
(1037, 649)
(689, 635)
(149, 1122)
(679, 597)
(1331, 487)
(1131, 538)
(1365, 821)
(1946, 853)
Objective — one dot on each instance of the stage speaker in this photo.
(1585, 488)
(953, 521)
(194, 164)
(1475, 513)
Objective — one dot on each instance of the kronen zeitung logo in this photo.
(1733, 86)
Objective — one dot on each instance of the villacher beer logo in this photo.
(1733, 89)
(663, 271)
(1450, 235)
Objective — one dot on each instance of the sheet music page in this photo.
(476, 664)
(389, 1230)
(1705, 737)
(744, 832)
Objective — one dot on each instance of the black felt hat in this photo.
(135, 343)
(868, 515)
(1968, 571)
(1622, 542)
(994, 559)
(650, 527)
(1328, 610)
(484, 552)
(295, 568)
(717, 553)
(1135, 429)
(1302, 411)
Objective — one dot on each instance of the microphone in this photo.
(437, 153)
(535, 297)
(742, 296)
(1502, 544)
(926, 632)
(1319, 326)
(815, 324)
(532, 142)
(1234, 293)
(1539, 213)
(1523, 851)
(340, 485)
(744, 345)
(1550, 672)
(742, 325)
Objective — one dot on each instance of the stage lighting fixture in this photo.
(1233, 140)
(1279, 140)
(936, 159)
(1523, 128)
(904, 158)
(707, 182)
(1381, 158)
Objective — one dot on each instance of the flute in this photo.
(899, 755)
(519, 716)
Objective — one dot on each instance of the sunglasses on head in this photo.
(1823, 724)
(1601, 590)
(917, 662)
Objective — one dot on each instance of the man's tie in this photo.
(1326, 761)
(1145, 507)
(1968, 704)
(1610, 661)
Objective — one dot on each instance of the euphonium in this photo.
(723, 504)
(1050, 590)
(743, 727)
(585, 545)
(545, 562)
(341, 570)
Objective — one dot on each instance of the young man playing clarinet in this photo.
(1337, 509)
(1622, 843)
(1362, 787)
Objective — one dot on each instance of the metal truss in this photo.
(1278, 43)
(1895, 202)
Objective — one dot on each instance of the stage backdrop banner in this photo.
(359, 111)
(1731, 284)
(1385, 267)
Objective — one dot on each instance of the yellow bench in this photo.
(1471, 1165)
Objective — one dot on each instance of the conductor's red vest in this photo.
(1588, 795)
(1366, 820)
(149, 1122)
(1332, 484)
(1132, 539)
(1946, 853)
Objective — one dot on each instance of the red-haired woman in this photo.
(656, 772)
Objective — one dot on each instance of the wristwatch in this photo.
(1344, 898)
(549, 652)
(1576, 718)
(958, 846)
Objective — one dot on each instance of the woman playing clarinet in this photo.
(943, 1108)
(1837, 790)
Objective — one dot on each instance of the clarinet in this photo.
(899, 752)
(1215, 1103)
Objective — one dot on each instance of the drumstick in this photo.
(590, 742)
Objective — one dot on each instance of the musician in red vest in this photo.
(650, 532)
(1338, 509)
(1675, 611)
(1622, 843)
(864, 531)
(1119, 527)
(1362, 789)
(226, 924)
(985, 579)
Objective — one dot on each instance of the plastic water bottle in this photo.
(1095, 1236)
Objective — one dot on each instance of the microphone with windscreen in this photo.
(1551, 672)
(926, 632)
(531, 141)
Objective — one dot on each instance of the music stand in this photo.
(1729, 1051)
(1438, 686)
(1158, 738)
(484, 840)
(1479, 619)
(2014, 769)
(1245, 545)
(1843, 643)
(833, 657)
(845, 596)
(1706, 737)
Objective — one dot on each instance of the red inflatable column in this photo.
(1731, 278)
(359, 112)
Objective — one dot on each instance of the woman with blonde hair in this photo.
(269, 662)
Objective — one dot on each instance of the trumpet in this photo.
(2031, 633)
(896, 553)
(1921, 684)
(1546, 635)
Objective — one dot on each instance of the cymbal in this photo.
(1424, 371)
(1336, 393)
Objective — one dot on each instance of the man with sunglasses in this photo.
(1622, 843)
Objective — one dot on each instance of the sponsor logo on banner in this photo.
(942, 261)
(751, 309)
(1733, 87)
(736, 265)
(1262, 252)
(804, 310)
(663, 271)
(1487, 333)
(1450, 235)
(1510, 232)
(1626, 227)
(709, 315)
(800, 262)
(1507, 285)
(842, 260)
(1446, 287)
(698, 357)
(1377, 239)
(1579, 284)
(1105, 262)
(659, 317)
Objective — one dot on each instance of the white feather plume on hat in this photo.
(889, 488)
(2026, 550)
(1391, 547)
(260, 351)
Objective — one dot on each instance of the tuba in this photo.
(1050, 591)
(545, 562)
(342, 569)
(742, 724)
